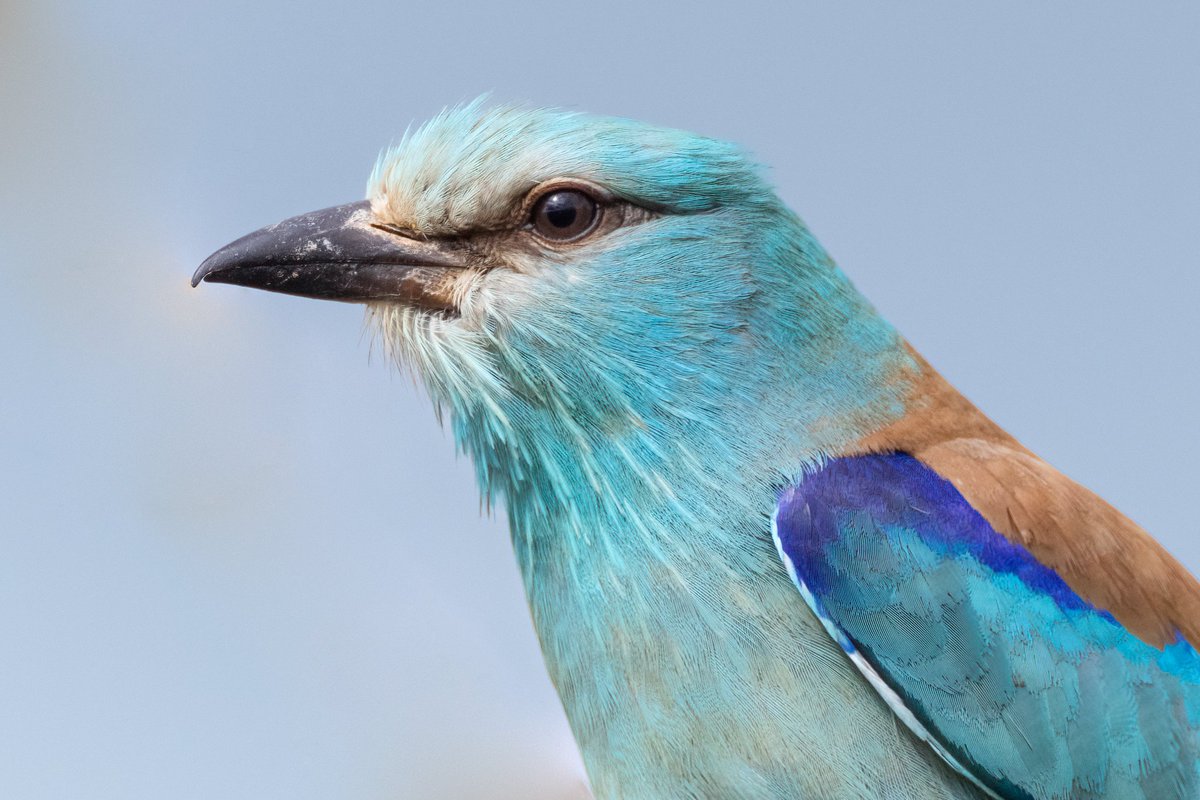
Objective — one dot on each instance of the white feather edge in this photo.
(889, 695)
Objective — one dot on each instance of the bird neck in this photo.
(665, 616)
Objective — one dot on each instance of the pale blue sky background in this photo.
(238, 558)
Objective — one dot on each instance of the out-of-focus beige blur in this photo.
(238, 557)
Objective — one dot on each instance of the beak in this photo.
(337, 254)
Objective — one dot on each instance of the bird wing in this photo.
(982, 649)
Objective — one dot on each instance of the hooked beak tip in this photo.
(201, 273)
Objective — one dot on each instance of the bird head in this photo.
(603, 307)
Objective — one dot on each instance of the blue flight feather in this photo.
(1016, 678)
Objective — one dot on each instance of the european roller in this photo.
(768, 550)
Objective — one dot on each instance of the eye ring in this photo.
(565, 214)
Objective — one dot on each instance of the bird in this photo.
(768, 550)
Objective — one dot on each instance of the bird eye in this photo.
(565, 215)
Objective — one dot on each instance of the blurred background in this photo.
(239, 558)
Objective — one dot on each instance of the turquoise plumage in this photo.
(648, 357)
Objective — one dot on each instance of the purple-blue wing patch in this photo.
(981, 649)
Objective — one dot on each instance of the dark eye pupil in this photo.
(560, 213)
(564, 215)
